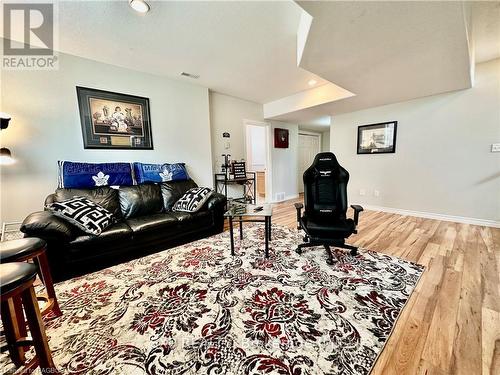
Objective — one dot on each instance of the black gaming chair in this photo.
(325, 198)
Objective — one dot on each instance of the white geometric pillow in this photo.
(193, 199)
(83, 213)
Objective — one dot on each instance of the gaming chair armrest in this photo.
(298, 207)
(357, 209)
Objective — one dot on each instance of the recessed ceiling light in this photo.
(312, 82)
(139, 6)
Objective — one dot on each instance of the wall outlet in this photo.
(362, 192)
(495, 147)
(376, 193)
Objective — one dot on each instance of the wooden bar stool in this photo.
(16, 284)
(26, 249)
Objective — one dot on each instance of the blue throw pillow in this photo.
(160, 172)
(87, 175)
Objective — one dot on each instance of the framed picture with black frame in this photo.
(112, 120)
(377, 138)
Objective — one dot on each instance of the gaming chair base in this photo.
(311, 242)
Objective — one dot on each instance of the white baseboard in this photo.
(431, 215)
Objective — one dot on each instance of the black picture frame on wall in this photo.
(111, 120)
(377, 138)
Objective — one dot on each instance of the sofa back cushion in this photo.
(172, 191)
(140, 200)
(103, 196)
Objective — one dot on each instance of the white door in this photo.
(309, 146)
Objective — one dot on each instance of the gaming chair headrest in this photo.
(325, 161)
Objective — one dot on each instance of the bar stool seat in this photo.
(33, 248)
(17, 293)
(15, 274)
(12, 251)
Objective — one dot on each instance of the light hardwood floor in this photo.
(451, 324)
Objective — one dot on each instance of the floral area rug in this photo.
(195, 309)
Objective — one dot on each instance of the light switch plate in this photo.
(495, 147)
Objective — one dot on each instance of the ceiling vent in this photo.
(189, 75)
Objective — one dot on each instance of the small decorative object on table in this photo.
(239, 170)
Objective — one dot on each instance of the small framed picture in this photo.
(280, 138)
(377, 138)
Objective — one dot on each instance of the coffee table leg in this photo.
(231, 234)
(266, 231)
(270, 227)
(241, 229)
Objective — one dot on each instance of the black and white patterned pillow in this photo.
(193, 199)
(83, 213)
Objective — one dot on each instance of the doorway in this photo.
(257, 155)
(309, 146)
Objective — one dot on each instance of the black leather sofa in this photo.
(144, 224)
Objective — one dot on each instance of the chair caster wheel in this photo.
(354, 252)
(298, 250)
(306, 238)
(330, 262)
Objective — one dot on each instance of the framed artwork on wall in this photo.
(111, 120)
(377, 138)
(280, 138)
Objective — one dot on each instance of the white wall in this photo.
(285, 162)
(442, 163)
(226, 115)
(325, 141)
(45, 127)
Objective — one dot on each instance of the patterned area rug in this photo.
(196, 309)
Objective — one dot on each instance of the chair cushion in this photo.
(140, 200)
(103, 196)
(193, 199)
(84, 214)
(10, 251)
(115, 232)
(329, 229)
(152, 222)
(14, 274)
(171, 191)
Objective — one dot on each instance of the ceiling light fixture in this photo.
(312, 82)
(139, 6)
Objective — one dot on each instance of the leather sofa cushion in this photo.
(172, 191)
(140, 200)
(104, 196)
(184, 217)
(156, 222)
(115, 232)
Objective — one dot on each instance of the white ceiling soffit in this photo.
(244, 49)
(486, 30)
(383, 52)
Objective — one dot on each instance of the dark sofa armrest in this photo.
(216, 201)
(357, 209)
(45, 225)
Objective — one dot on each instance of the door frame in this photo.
(268, 175)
